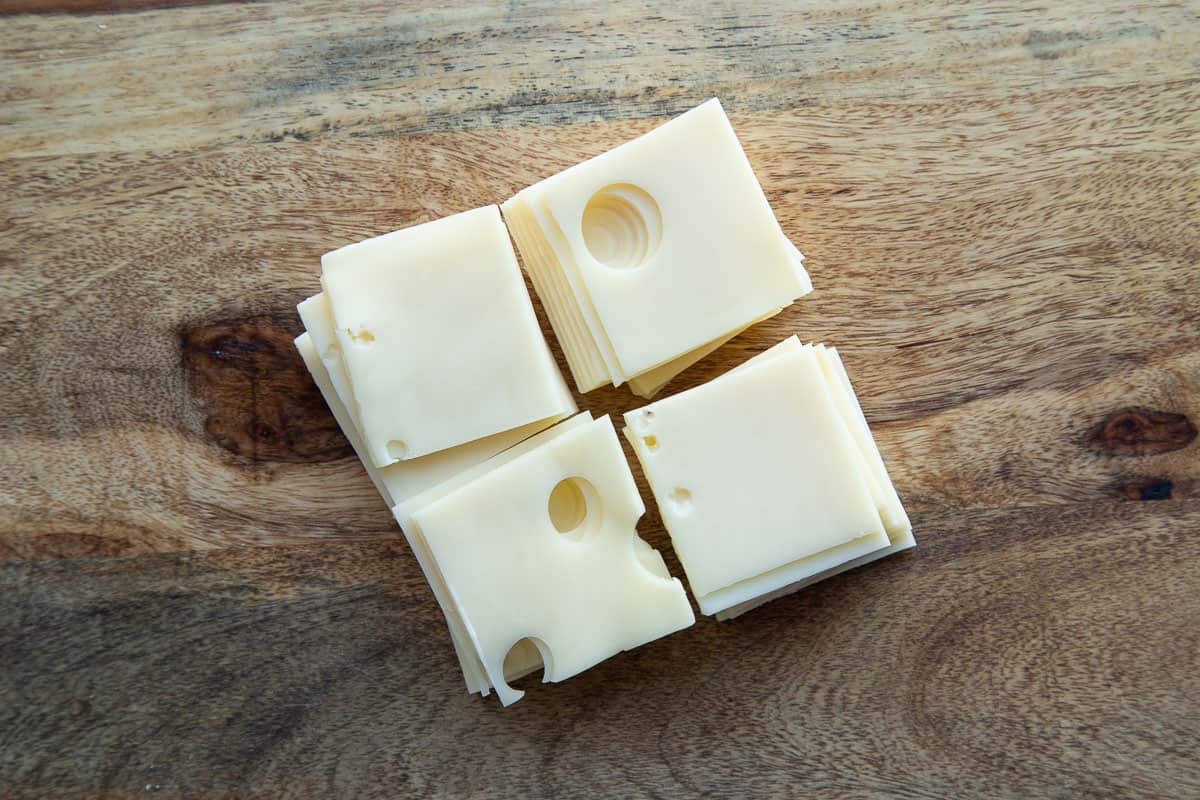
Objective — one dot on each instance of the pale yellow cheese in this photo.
(759, 479)
(654, 250)
(438, 337)
(405, 479)
(544, 548)
(386, 480)
(895, 519)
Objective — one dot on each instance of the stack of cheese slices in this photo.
(521, 512)
(623, 244)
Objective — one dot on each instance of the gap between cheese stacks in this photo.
(768, 478)
(437, 338)
(557, 521)
(669, 233)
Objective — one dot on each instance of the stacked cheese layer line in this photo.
(520, 511)
(798, 493)
(652, 255)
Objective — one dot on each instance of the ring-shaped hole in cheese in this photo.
(574, 507)
(622, 226)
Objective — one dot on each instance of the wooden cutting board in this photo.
(202, 595)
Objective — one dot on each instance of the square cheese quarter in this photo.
(768, 478)
(669, 234)
(438, 337)
(544, 548)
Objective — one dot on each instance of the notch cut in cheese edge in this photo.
(655, 165)
(473, 674)
(501, 560)
(455, 281)
(752, 591)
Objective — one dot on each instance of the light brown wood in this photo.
(201, 591)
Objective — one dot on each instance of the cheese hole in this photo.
(363, 337)
(681, 499)
(524, 658)
(574, 507)
(642, 420)
(622, 226)
(397, 449)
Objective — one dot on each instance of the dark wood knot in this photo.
(1137, 432)
(1144, 489)
(259, 399)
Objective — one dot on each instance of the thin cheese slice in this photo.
(895, 519)
(760, 481)
(438, 336)
(405, 479)
(670, 232)
(579, 595)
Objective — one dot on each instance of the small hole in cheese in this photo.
(397, 449)
(681, 499)
(574, 507)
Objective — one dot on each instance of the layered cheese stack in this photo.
(521, 512)
(425, 346)
(652, 255)
(797, 493)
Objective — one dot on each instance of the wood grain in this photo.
(1017, 653)
(201, 594)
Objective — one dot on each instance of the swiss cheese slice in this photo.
(544, 548)
(670, 232)
(760, 479)
(438, 337)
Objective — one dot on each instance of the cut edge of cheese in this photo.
(900, 543)
(895, 519)
(651, 382)
(317, 317)
(790, 577)
(557, 245)
(583, 357)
